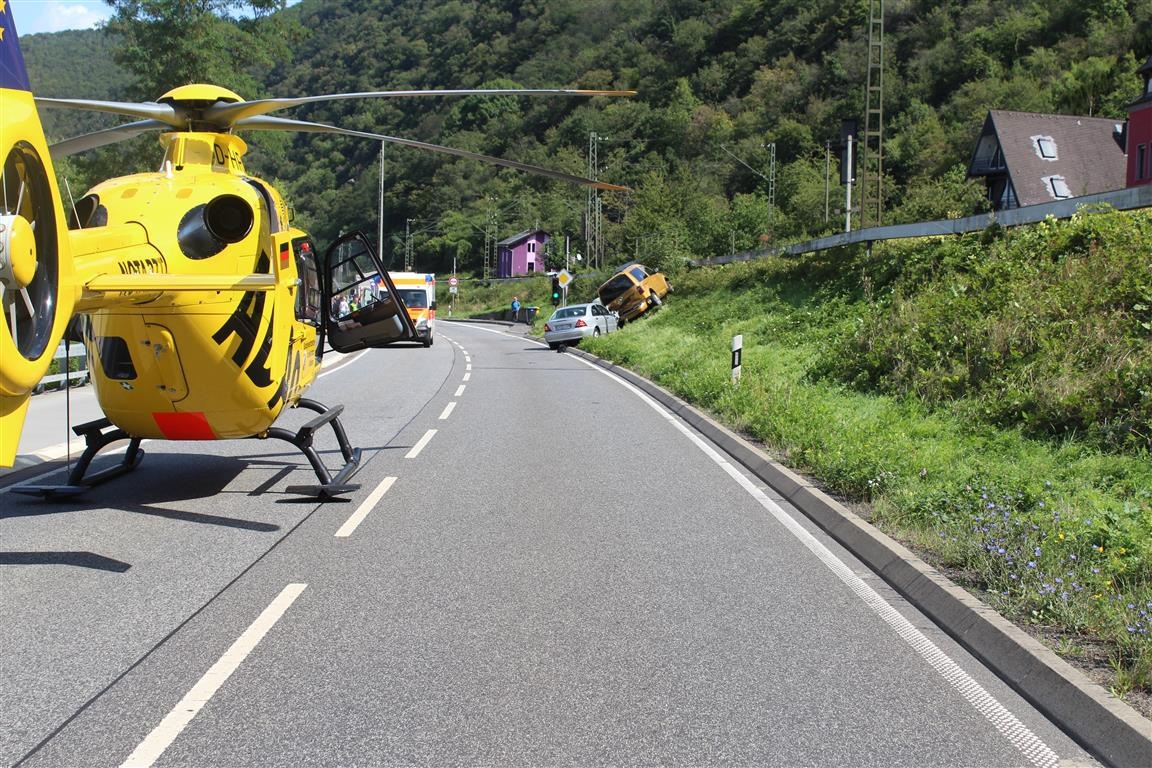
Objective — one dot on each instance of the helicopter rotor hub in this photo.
(17, 252)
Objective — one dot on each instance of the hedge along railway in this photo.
(1121, 200)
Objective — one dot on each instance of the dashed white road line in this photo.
(467, 377)
(448, 410)
(420, 444)
(162, 736)
(460, 390)
(362, 511)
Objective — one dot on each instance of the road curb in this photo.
(1102, 724)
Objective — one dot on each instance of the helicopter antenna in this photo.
(67, 401)
(72, 202)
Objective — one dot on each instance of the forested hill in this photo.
(719, 81)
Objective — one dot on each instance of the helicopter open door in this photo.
(362, 306)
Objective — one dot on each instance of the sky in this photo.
(34, 16)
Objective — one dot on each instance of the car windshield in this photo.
(575, 311)
(614, 288)
(415, 298)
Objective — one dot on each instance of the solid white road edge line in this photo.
(420, 444)
(170, 727)
(340, 362)
(1019, 735)
(362, 511)
(447, 410)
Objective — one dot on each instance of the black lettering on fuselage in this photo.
(245, 324)
(148, 266)
(222, 157)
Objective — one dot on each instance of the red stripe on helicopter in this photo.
(284, 254)
(184, 426)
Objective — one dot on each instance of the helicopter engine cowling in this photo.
(207, 229)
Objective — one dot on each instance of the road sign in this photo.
(452, 281)
(564, 277)
(451, 289)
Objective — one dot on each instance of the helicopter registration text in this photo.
(149, 266)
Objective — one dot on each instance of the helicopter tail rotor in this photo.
(36, 298)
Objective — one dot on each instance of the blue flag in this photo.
(12, 73)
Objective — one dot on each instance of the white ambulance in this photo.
(418, 292)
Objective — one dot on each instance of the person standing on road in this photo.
(515, 309)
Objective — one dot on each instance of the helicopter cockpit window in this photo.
(308, 297)
(87, 212)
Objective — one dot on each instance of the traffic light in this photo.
(555, 291)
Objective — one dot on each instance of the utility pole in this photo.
(491, 228)
(772, 191)
(408, 244)
(827, 177)
(848, 187)
(871, 147)
(380, 216)
(593, 215)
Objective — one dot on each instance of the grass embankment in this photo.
(990, 396)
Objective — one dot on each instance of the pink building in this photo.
(521, 254)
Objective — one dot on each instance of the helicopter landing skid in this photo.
(96, 439)
(330, 485)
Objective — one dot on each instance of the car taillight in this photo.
(547, 328)
(581, 324)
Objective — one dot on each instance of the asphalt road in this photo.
(541, 567)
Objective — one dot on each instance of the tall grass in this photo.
(846, 375)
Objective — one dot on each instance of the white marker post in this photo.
(737, 353)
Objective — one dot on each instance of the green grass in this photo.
(1053, 530)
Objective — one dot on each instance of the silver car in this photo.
(570, 324)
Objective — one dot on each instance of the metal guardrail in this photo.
(75, 378)
(1121, 200)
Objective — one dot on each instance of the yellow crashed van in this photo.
(634, 290)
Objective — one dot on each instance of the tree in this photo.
(168, 43)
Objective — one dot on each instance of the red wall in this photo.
(1140, 134)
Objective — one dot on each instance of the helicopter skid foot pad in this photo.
(79, 482)
(51, 492)
(330, 485)
(322, 492)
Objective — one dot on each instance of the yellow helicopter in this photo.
(204, 312)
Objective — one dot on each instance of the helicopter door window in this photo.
(115, 359)
(354, 282)
(308, 297)
(88, 212)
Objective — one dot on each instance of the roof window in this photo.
(1045, 147)
(1057, 187)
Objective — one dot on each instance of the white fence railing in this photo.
(66, 353)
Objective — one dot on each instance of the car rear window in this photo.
(612, 289)
(569, 312)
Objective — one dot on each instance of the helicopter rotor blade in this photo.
(144, 110)
(285, 124)
(107, 136)
(232, 114)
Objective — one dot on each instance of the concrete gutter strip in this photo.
(1104, 725)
